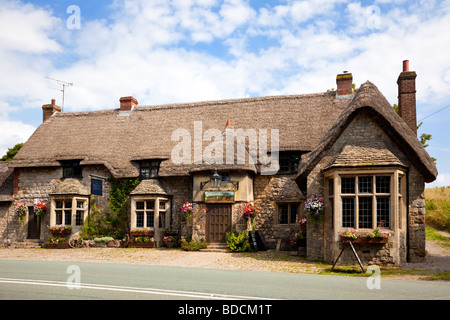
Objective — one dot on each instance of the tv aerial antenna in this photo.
(64, 85)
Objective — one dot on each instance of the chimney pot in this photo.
(49, 109)
(405, 65)
(127, 103)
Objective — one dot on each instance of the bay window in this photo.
(366, 199)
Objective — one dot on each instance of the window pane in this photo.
(283, 214)
(293, 213)
(59, 204)
(80, 204)
(59, 216)
(139, 219)
(79, 218)
(383, 184)
(383, 212)
(67, 217)
(365, 184)
(365, 212)
(145, 173)
(150, 205)
(140, 205)
(330, 187)
(162, 219)
(67, 204)
(348, 212)
(348, 185)
(162, 205)
(150, 219)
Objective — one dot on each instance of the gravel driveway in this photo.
(438, 259)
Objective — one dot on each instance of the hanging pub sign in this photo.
(219, 196)
(96, 187)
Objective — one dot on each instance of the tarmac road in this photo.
(49, 280)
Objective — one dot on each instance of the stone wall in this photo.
(269, 192)
(322, 241)
(36, 184)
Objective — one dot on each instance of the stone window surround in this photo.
(156, 210)
(397, 195)
(74, 209)
(289, 203)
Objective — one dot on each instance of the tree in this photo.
(12, 152)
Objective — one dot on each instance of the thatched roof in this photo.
(369, 99)
(118, 141)
(6, 181)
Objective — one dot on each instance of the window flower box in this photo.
(142, 242)
(141, 245)
(365, 238)
(57, 243)
(142, 232)
(60, 230)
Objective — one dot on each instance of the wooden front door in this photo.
(34, 228)
(218, 222)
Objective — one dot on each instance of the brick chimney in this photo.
(344, 83)
(49, 109)
(407, 96)
(127, 103)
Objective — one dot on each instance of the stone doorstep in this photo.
(216, 247)
(26, 244)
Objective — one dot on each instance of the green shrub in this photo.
(104, 239)
(237, 242)
(188, 244)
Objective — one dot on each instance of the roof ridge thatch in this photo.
(368, 97)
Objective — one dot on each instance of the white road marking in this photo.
(187, 294)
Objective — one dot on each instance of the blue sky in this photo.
(193, 50)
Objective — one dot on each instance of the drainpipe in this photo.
(407, 217)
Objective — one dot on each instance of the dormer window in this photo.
(289, 161)
(149, 169)
(71, 169)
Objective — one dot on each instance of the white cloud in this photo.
(26, 28)
(13, 132)
(443, 180)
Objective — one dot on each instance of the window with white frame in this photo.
(148, 212)
(69, 211)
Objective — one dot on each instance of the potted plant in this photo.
(314, 207)
(376, 236)
(170, 241)
(250, 212)
(21, 210)
(60, 229)
(186, 209)
(147, 232)
(299, 239)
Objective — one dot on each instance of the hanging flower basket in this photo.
(21, 210)
(186, 209)
(315, 207)
(249, 213)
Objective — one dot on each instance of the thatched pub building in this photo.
(348, 147)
